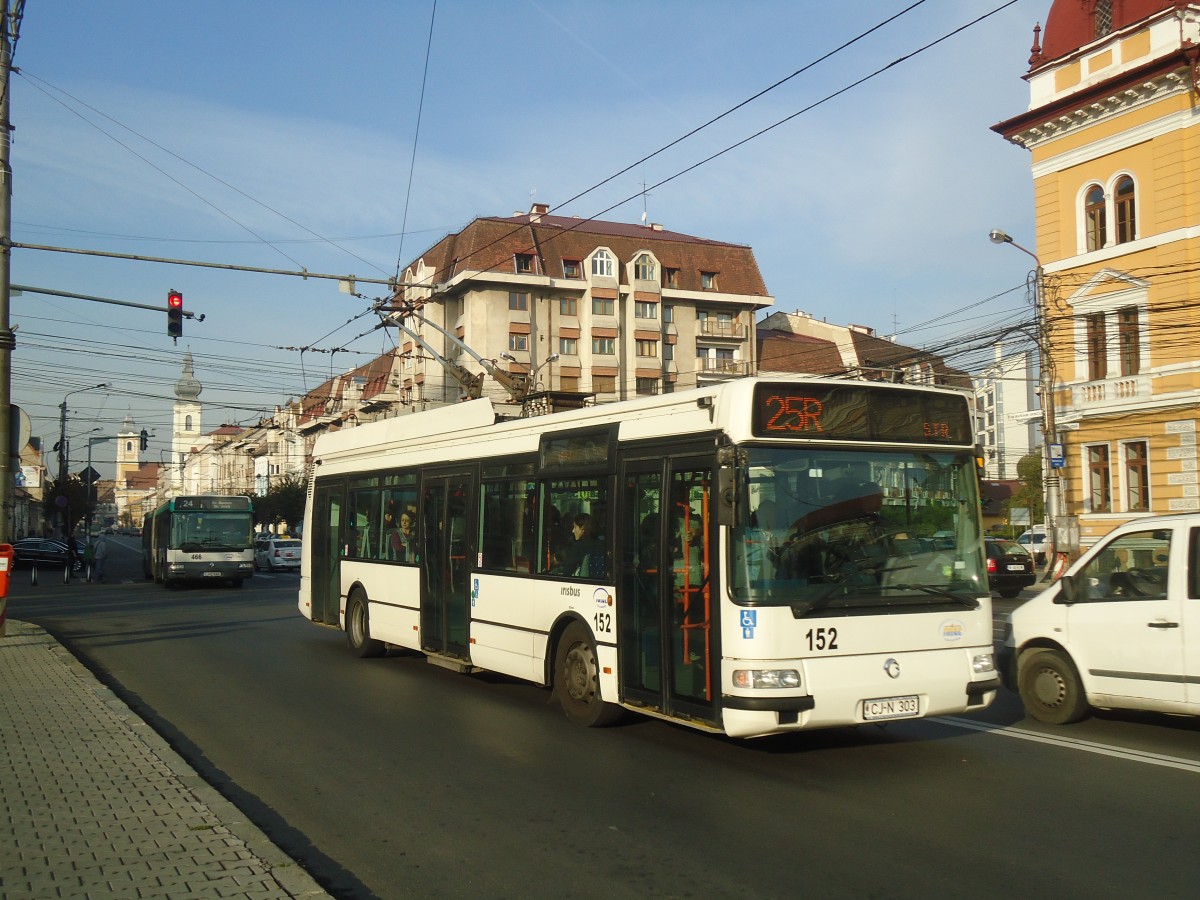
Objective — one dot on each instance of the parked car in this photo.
(277, 552)
(48, 552)
(1009, 566)
(1034, 540)
(1117, 631)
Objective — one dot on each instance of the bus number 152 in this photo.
(822, 639)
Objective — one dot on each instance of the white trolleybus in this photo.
(200, 538)
(756, 557)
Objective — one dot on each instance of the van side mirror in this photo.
(1068, 590)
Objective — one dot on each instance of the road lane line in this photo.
(1153, 759)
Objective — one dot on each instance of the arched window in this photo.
(644, 268)
(187, 423)
(1095, 220)
(129, 446)
(1125, 210)
(602, 263)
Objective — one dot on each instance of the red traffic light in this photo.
(174, 314)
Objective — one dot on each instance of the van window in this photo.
(1134, 566)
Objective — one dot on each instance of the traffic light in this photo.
(174, 314)
(145, 439)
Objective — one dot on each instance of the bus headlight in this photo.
(984, 662)
(766, 678)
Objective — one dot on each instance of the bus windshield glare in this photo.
(200, 531)
(826, 530)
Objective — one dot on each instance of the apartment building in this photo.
(571, 306)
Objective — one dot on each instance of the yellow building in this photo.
(1114, 136)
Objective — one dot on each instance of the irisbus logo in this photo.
(952, 630)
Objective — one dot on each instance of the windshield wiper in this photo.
(968, 602)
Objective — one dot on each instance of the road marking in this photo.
(1142, 756)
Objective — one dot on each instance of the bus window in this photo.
(574, 528)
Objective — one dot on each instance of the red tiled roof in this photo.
(490, 244)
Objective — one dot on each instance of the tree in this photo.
(77, 501)
(1030, 494)
(283, 502)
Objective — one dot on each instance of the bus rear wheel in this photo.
(358, 629)
(577, 680)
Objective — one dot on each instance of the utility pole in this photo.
(1051, 482)
(9, 27)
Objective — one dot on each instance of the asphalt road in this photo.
(395, 778)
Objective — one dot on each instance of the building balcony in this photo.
(1109, 395)
(729, 367)
(714, 330)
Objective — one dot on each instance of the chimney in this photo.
(654, 226)
(537, 211)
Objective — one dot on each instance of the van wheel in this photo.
(577, 680)
(1050, 688)
(358, 629)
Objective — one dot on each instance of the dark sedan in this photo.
(48, 552)
(1009, 566)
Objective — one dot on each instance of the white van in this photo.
(1034, 540)
(1121, 629)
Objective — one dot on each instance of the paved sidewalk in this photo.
(96, 804)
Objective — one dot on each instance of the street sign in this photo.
(1057, 461)
(89, 476)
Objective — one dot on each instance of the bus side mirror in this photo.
(726, 495)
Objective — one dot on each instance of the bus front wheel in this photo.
(358, 629)
(577, 680)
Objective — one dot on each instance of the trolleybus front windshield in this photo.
(205, 531)
(826, 530)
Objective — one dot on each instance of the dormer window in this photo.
(708, 281)
(644, 268)
(524, 263)
(572, 269)
(1102, 18)
(670, 277)
(602, 263)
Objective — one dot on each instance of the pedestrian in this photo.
(99, 555)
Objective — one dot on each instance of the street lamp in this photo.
(91, 485)
(1046, 390)
(64, 453)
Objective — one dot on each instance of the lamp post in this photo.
(1046, 388)
(91, 486)
(64, 455)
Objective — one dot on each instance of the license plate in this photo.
(212, 575)
(891, 708)
(1016, 568)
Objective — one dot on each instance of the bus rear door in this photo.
(446, 563)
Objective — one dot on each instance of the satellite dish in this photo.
(19, 429)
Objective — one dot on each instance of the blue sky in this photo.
(281, 135)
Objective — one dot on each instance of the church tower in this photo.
(186, 428)
(129, 449)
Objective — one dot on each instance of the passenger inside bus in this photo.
(583, 555)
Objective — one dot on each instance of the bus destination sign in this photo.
(859, 412)
(212, 503)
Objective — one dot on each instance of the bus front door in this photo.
(667, 643)
(325, 587)
(446, 594)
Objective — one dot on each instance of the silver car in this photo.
(276, 553)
